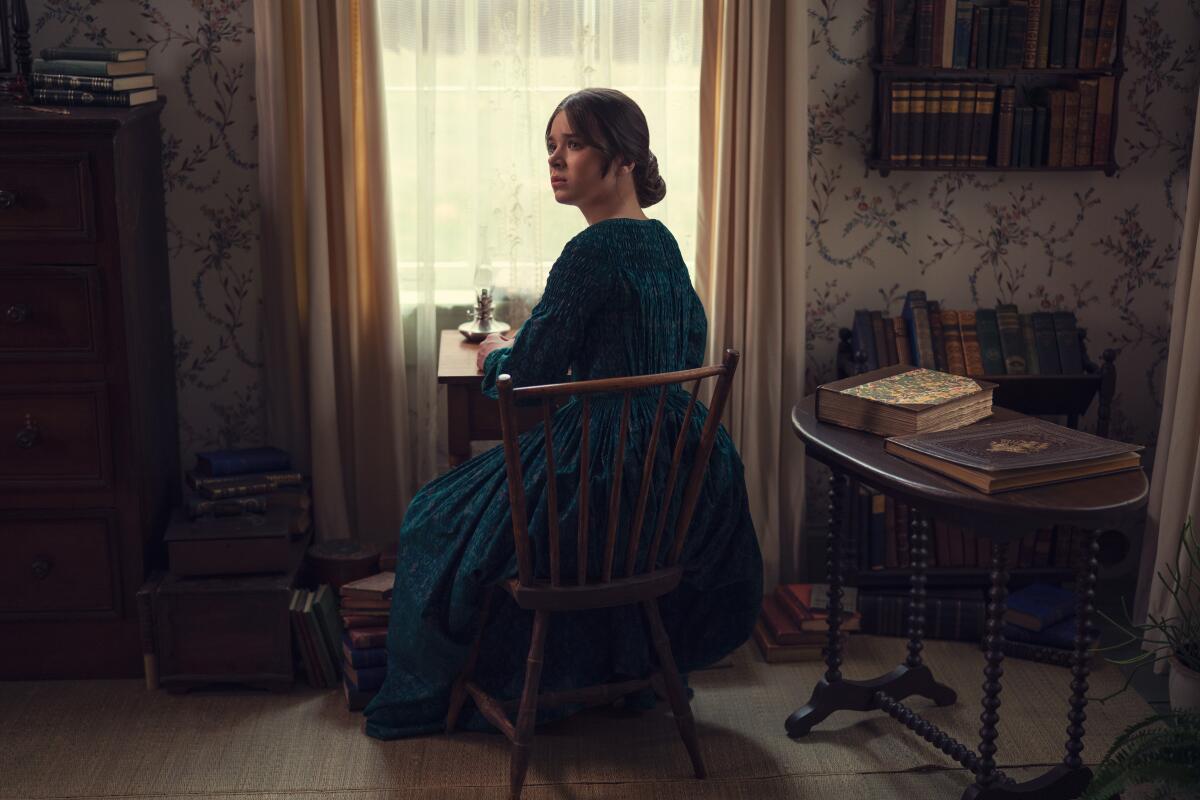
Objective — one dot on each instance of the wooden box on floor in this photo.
(234, 629)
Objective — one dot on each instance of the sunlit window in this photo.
(470, 85)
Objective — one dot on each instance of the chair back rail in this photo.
(550, 394)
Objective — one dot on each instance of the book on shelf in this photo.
(371, 657)
(902, 399)
(1014, 454)
(43, 80)
(775, 653)
(954, 614)
(242, 461)
(84, 97)
(1039, 606)
(242, 485)
(373, 587)
(93, 53)
(102, 69)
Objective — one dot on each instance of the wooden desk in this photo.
(1092, 503)
(471, 417)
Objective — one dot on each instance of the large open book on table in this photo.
(904, 399)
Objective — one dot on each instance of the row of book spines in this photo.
(951, 124)
(363, 674)
(986, 341)
(876, 533)
(941, 124)
(955, 618)
(1029, 34)
(316, 636)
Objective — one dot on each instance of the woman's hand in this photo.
(494, 341)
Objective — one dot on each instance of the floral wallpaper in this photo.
(1104, 248)
(202, 55)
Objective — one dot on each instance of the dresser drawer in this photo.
(58, 564)
(49, 313)
(46, 196)
(54, 437)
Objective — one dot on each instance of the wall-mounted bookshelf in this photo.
(997, 85)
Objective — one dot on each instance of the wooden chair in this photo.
(545, 595)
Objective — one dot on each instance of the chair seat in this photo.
(541, 596)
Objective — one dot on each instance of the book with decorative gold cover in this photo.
(1015, 454)
(904, 399)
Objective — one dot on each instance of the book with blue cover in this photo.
(242, 460)
(1039, 605)
(1061, 634)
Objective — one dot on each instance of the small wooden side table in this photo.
(471, 417)
(1092, 504)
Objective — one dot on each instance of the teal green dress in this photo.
(618, 302)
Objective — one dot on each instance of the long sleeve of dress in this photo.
(579, 284)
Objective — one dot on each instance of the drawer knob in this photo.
(7, 199)
(28, 435)
(17, 313)
(41, 567)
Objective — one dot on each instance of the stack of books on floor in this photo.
(317, 632)
(252, 480)
(1040, 624)
(794, 623)
(92, 76)
(365, 607)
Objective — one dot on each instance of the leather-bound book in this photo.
(988, 330)
(948, 124)
(933, 113)
(1070, 126)
(1047, 343)
(1014, 45)
(952, 338)
(976, 26)
(1086, 129)
(938, 33)
(1058, 33)
(916, 123)
(1041, 125)
(998, 38)
(981, 137)
(898, 128)
(916, 318)
(1004, 126)
(900, 399)
(889, 339)
(925, 33)
(1043, 34)
(1054, 150)
(1074, 22)
(1014, 454)
(881, 347)
(1089, 34)
(972, 355)
(1026, 129)
(1070, 355)
(1105, 93)
(1032, 367)
(963, 12)
(1106, 38)
(1033, 23)
(903, 345)
(863, 338)
(985, 37)
(964, 124)
(1012, 341)
(937, 335)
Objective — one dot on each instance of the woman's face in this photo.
(575, 166)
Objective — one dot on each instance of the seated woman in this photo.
(618, 302)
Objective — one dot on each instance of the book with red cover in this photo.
(373, 587)
(794, 599)
(783, 628)
(364, 620)
(775, 653)
(366, 638)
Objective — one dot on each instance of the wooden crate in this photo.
(232, 629)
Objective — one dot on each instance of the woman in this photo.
(618, 302)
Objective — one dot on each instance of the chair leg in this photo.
(458, 694)
(527, 714)
(676, 694)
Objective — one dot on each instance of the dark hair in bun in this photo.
(612, 123)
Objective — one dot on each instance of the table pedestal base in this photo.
(1059, 781)
(847, 695)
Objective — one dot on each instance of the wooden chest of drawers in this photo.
(89, 455)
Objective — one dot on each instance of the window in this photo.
(469, 87)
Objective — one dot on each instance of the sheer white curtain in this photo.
(469, 87)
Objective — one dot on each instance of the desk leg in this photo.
(458, 428)
(1070, 778)
(834, 693)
